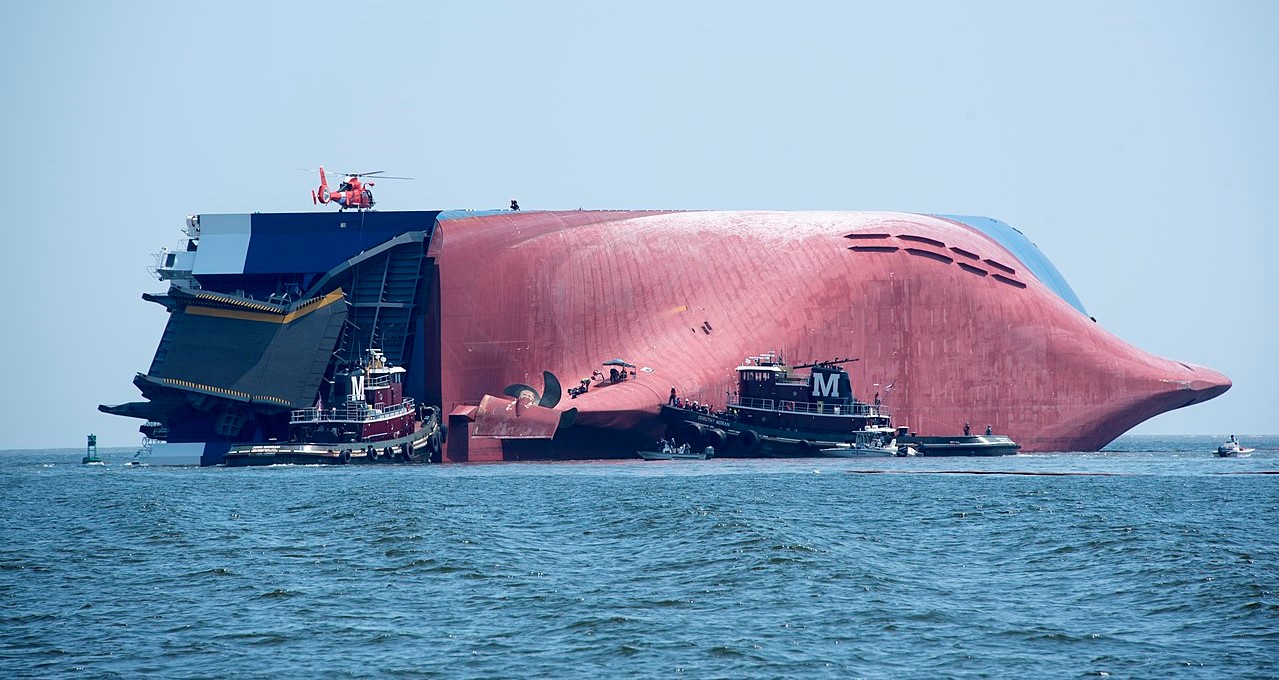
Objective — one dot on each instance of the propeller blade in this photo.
(521, 391)
(551, 391)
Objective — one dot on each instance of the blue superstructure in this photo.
(297, 243)
(264, 306)
(1026, 251)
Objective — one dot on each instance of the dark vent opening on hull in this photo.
(874, 249)
(1012, 282)
(973, 270)
(866, 236)
(1188, 366)
(965, 253)
(922, 239)
(930, 255)
(999, 265)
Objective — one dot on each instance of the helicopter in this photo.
(352, 193)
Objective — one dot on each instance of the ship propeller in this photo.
(549, 399)
(522, 392)
(551, 385)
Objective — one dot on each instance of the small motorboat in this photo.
(853, 451)
(960, 445)
(1232, 449)
(669, 451)
(870, 442)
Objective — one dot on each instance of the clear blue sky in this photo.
(1134, 142)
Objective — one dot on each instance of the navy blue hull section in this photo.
(315, 243)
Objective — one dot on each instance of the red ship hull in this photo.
(954, 321)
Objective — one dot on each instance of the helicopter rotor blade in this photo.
(376, 174)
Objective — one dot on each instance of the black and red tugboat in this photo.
(777, 412)
(368, 420)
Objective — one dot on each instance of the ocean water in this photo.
(1151, 559)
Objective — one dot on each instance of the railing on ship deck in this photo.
(858, 409)
(350, 413)
(380, 380)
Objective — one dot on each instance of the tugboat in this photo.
(372, 422)
(780, 414)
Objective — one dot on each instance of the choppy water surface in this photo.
(1169, 565)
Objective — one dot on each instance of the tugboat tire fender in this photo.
(715, 437)
(749, 440)
(345, 456)
(695, 434)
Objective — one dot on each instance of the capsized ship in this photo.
(955, 319)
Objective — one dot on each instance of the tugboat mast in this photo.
(832, 362)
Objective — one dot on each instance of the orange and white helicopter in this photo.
(352, 193)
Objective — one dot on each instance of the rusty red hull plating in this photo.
(945, 314)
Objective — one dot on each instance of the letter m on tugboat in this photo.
(826, 384)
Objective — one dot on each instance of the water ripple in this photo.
(1162, 567)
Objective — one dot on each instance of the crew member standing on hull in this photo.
(967, 430)
(671, 401)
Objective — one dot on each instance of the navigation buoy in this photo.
(91, 452)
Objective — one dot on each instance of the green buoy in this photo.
(91, 455)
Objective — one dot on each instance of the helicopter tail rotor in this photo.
(321, 195)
